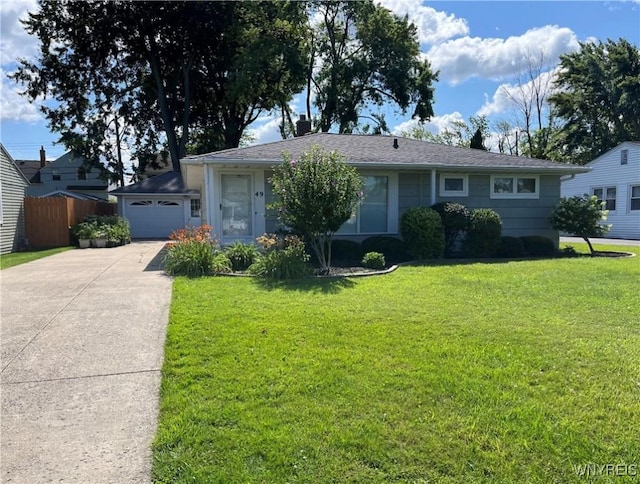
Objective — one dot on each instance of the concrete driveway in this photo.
(82, 338)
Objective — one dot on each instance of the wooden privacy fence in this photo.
(49, 219)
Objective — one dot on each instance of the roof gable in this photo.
(379, 151)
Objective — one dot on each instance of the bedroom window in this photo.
(515, 186)
(607, 195)
(454, 185)
(634, 203)
(371, 217)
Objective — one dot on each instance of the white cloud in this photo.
(508, 95)
(433, 26)
(13, 106)
(436, 125)
(15, 42)
(495, 58)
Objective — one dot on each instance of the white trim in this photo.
(514, 177)
(454, 193)
(631, 197)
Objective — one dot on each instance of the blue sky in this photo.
(477, 46)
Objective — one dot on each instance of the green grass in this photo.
(501, 372)
(16, 258)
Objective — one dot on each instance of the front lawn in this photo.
(15, 258)
(502, 372)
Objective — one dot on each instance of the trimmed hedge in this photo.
(456, 219)
(394, 250)
(538, 245)
(483, 236)
(510, 247)
(422, 230)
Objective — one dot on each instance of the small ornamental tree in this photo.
(315, 195)
(580, 216)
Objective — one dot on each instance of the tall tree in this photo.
(167, 68)
(362, 56)
(459, 133)
(597, 100)
(529, 96)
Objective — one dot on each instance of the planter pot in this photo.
(99, 243)
(84, 243)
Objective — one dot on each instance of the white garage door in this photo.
(154, 218)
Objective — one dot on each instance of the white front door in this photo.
(237, 208)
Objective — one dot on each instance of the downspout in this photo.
(433, 186)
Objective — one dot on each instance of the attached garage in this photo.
(157, 206)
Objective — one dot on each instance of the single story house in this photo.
(398, 173)
(158, 205)
(12, 186)
(615, 179)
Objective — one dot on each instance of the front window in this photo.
(371, 217)
(515, 186)
(454, 185)
(607, 195)
(635, 197)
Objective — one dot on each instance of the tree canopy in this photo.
(362, 55)
(597, 100)
(163, 70)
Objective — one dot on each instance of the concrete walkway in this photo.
(82, 336)
(602, 241)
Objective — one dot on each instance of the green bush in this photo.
(282, 258)
(346, 250)
(538, 246)
(456, 219)
(483, 235)
(510, 247)
(374, 260)
(193, 253)
(421, 228)
(581, 216)
(241, 255)
(112, 227)
(393, 249)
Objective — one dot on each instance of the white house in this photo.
(614, 179)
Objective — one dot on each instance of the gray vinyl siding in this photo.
(520, 217)
(414, 190)
(13, 185)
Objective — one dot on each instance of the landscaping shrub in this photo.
(483, 235)
(282, 258)
(394, 249)
(346, 250)
(581, 216)
(510, 247)
(374, 260)
(421, 228)
(241, 255)
(538, 246)
(192, 252)
(455, 220)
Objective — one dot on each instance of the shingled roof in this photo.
(380, 152)
(167, 183)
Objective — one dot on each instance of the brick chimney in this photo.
(303, 126)
(43, 157)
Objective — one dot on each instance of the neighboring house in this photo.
(158, 205)
(12, 187)
(398, 173)
(614, 179)
(65, 174)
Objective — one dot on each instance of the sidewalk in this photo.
(82, 336)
